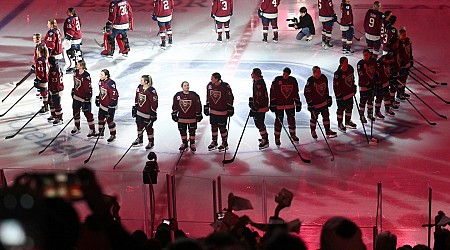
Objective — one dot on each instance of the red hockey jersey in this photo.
(344, 83)
(187, 105)
(146, 101)
(120, 14)
(108, 94)
(41, 70)
(55, 79)
(219, 97)
(366, 73)
(82, 88)
(53, 41)
(72, 27)
(260, 96)
(316, 91)
(284, 93)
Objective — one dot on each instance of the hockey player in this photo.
(121, 20)
(144, 109)
(37, 39)
(221, 11)
(284, 98)
(344, 88)
(382, 86)
(81, 95)
(106, 100)
(406, 62)
(373, 24)
(219, 106)
(327, 17)
(318, 99)
(41, 80)
(269, 15)
(72, 40)
(55, 88)
(387, 31)
(187, 111)
(395, 69)
(53, 39)
(347, 27)
(366, 71)
(259, 105)
(162, 12)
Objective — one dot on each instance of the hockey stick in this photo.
(431, 123)
(323, 134)
(420, 71)
(179, 158)
(96, 141)
(17, 101)
(18, 84)
(359, 31)
(293, 144)
(423, 81)
(239, 143)
(374, 141)
(40, 152)
(141, 132)
(431, 91)
(101, 45)
(12, 136)
(432, 71)
(362, 123)
(442, 116)
(228, 132)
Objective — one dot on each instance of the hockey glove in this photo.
(111, 112)
(230, 111)
(175, 116)
(154, 17)
(199, 117)
(329, 101)
(250, 103)
(72, 93)
(153, 116)
(298, 106)
(97, 101)
(36, 83)
(335, 18)
(206, 109)
(133, 111)
(212, 15)
(33, 68)
(68, 37)
(273, 108)
(260, 14)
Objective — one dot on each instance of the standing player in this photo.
(382, 86)
(327, 17)
(259, 105)
(219, 106)
(344, 88)
(55, 88)
(221, 11)
(373, 24)
(72, 40)
(269, 15)
(81, 95)
(37, 39)
(394, 50)
(385, 31)
(41, 71)
(284, 98)
(107, 102)
(367, 69)
(347, 27)
(187, 111)
(144, 109)
(318, 99)
(53, 39)
(162, 12)
(121, 20)
(406, 62)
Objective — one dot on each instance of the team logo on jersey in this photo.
(76, 83)
(215, 95)
(185, 105)
(349, 80)
(102, 93)
(370, 71)
(287, 90)
(141, 99)
(320, 88)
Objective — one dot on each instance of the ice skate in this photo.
(223, 146)
(212, 146)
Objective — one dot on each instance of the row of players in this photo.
(379, 79)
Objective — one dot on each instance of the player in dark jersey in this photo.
(394, 50)
(121, 20)
(72, 41)
(221, 11)
(284, 98)
(344, 88)
(373, 24)
(144, 109)
(41, 80)
(367, 68)
(406, 62)
(319, 100)
(81, 95)
(385, 31)
(53, 39)
(187, 111)
(162, 13)
(37, 39)
(327, 17)
(259, 105)
(219, 106)
(347, 27)
(382, 86)
(107, 100)
(55, 88)
(269, 15)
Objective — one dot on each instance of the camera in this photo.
(166, 221)
(294, 21)
(219, 216)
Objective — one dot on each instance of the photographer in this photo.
(305, 24)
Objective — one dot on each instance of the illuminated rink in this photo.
(410, 157)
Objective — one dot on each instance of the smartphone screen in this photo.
(60, 185)
(166, 221)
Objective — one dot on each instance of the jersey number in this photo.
(123, 10)
(274, 2)
(166, 4)
(371, 22)
(224, 5)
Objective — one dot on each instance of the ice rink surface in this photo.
(411, 157)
